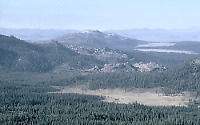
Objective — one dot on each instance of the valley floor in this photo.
(150, 97)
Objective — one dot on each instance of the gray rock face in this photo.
(127, 67)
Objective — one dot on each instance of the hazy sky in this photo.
(99, 14)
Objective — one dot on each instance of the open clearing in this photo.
(158, 44)
(167, 51)
(151, 97)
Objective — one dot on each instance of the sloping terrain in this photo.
(30, 73)
(18, 55)
(97, 39)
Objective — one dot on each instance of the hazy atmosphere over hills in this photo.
(154, 35)
(99, 62)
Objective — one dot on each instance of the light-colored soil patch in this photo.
(197, 61)
(167, 51)
(159, 44)
(151, 97)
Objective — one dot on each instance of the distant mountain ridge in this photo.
(155, 35)
(161, 35)
(34, 34)
(97, 39)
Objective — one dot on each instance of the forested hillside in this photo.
(33, 76)
(18, 55)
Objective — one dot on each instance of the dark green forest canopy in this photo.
(27, 101)
(27, 77)
(30, 105)
(20, 56)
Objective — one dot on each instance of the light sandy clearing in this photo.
(151, 97)
(158, 44)
(167, 51)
